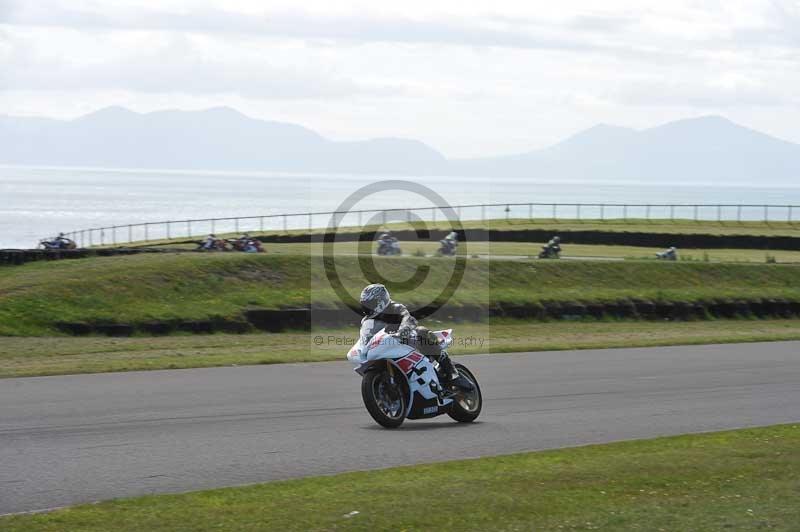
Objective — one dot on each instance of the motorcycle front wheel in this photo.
(386, 402)
(467, 406)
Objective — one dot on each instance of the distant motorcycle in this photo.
(217, 245)
(57, 243)
(447, 247)
(389, 247)
(669, 254)
(550, 251)
(398, 382)
(251, 245)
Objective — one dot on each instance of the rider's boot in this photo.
(451, 377)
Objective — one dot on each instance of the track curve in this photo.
(72, 439)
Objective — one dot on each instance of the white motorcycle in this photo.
(399, 382)
(392, 247)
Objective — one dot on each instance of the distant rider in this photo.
(210, 242)
(450, 243)
(381, 312)
(669, 254)
(554, 245)
(386, 243)
(61, 241)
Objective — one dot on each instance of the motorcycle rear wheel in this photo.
(467, 406)
(386, 402)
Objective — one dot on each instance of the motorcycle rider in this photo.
(450, 243)
(553, 247)
(61, 241)
(381, 312)
(669, 254)
(210, 242)
(386, 242)
(244, 240)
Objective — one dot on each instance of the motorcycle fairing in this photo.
(423, 382)
(418, 370)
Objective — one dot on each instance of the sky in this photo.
(470, 78)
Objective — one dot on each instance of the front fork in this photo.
(391, 372)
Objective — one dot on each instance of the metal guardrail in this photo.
(192, 228)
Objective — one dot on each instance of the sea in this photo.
(39, 202)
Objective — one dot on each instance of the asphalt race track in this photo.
(72, 439)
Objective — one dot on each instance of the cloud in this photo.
(601, 23)
(177, 67)
(672, 35)
(708, 95)
(575, 34)
(292, 25)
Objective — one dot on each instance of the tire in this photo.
(459, 411)
(370, 385)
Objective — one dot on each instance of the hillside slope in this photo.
(141, 288)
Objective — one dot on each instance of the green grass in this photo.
(200, 286)
(677, 226)
(25, 356)
(531, 249)
(736, 480)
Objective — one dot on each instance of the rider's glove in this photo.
(404, 333)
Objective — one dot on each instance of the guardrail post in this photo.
(719, 213)
(236, 224)
(766, 213)
(695, 213)
(261, 224)
(738, 213)
(672, 212)
(625, 212)
(146, 232)
(647, 212)
(554, 211)
(602, 211)
(530, 211)
(169, 232)
(285, 225)
(578, 210)
(91, 239)
(103, 236)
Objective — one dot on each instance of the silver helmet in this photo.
(374, 300)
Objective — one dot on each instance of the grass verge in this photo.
(20, 357)
(505, 250)
(739, 480)
(140, 288)
(631, 225)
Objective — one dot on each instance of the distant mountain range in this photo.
(702, 149)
